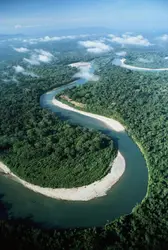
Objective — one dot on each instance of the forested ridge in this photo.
(138, 100)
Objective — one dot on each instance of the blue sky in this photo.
(33, 16)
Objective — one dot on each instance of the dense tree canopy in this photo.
(140, 101)
(41, 148)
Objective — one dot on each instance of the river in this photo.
(121, 63)
(19, 202)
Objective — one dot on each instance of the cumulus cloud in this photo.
(163, 38)
(30, 41)
(14, 79)
(84, 73)
(33, 60)
(129, 40)
(21, 50)
(44, 56)
(6, 80)
(54, 38)
(11, 79)
(95, 46)
(128, 33)
(19, 26)
(121, 53)
(20, 70)
(39, 56)
(46, 39)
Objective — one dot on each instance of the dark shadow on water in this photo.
(28, 221)
(4, 208)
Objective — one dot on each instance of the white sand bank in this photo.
(115, 125)
(85, 193)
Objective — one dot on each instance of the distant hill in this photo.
(77, 31)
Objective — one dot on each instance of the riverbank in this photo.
(85, 193)
(115, 125)
(76, 104)
(124, 65)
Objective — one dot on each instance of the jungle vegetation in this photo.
(138, 100)
(39, 147)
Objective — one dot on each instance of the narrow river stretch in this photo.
(17, 201)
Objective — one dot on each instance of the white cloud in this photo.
(18, 26)
(84, 71)
(20, 70)
(30, 74)
(52, 39)
(121, 53)
(33, 60)
(44, 56)
(30, 41)
(95, 46)
(166, 58)
(21, 50)
(130, 40)
(163, 38)
(14, 79)
(128, 33)
(55, 38)
(95, 50)
(39, 56)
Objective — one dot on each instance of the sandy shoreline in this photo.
(84, 193)
(115, 125)
(76, 104)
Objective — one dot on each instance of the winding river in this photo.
(121, 63)
(17, 201)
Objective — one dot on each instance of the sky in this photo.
(35, 16)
